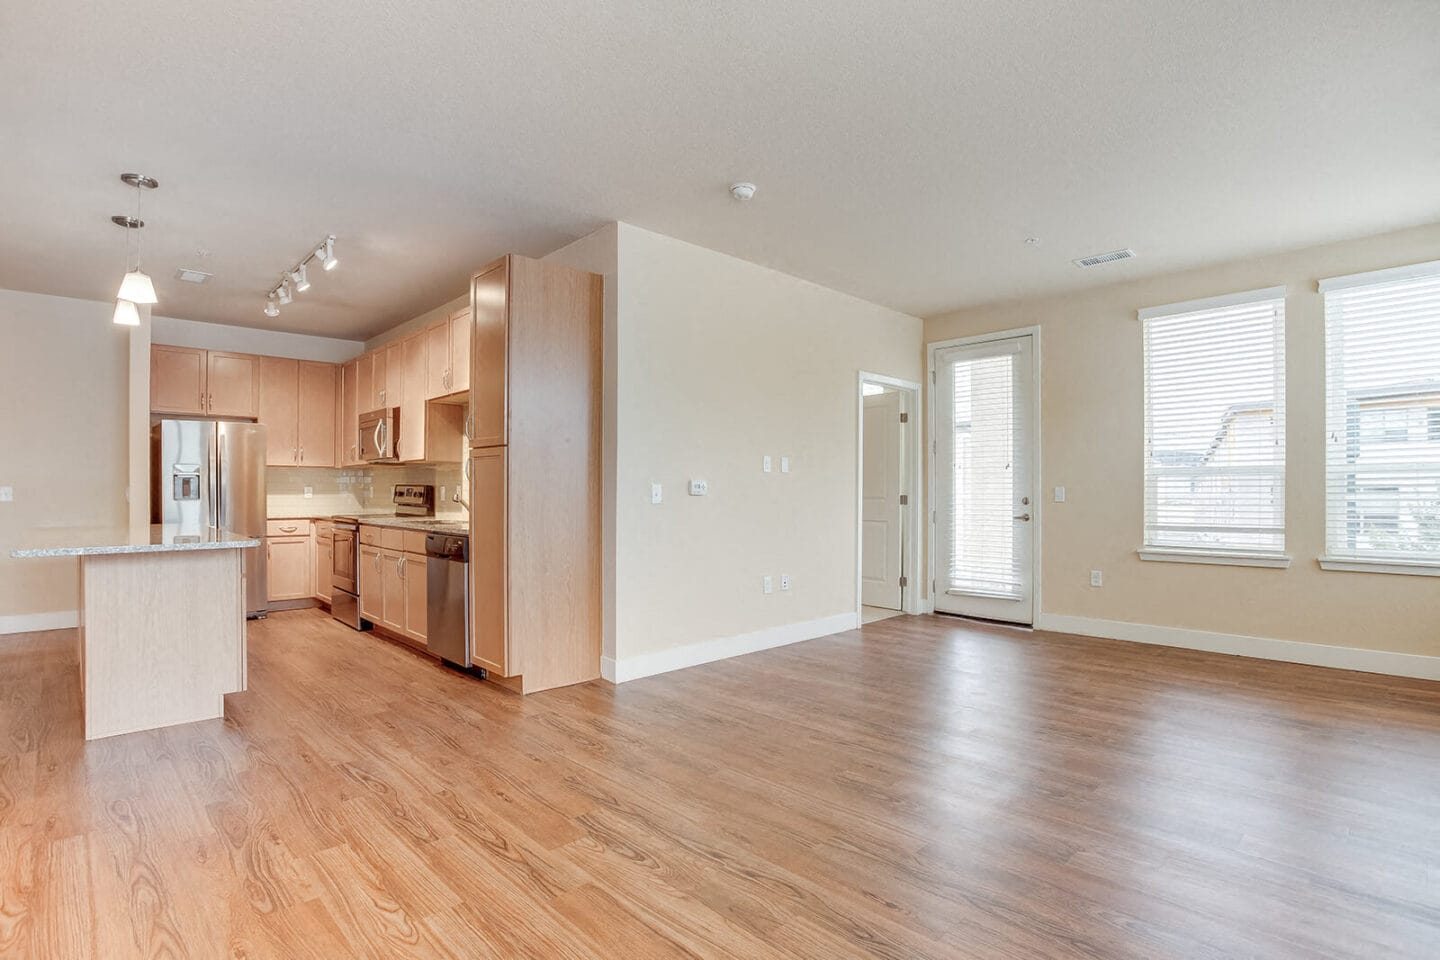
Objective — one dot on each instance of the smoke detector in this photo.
(191, 275)
(742, 191)
(1100, 258)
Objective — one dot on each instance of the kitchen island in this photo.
(162, 621)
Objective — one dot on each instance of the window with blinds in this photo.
(1382, 418)
(1215, 428)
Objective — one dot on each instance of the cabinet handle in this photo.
(377, 563)
(302, 455)
(400, 567)
(289, 529)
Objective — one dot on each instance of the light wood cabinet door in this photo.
(489, 544)
(437, 359)
(316, 415)
(460, 350)
(177, 380)
(350, 414)
(232, 382)
(412, 576)
(488, 366)
(372, 587)
(365, 390)
(279, 409)
(289, 568)
(394, 381)
(412, 399)
(324, 565)
(393, 590)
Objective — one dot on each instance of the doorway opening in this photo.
(888, 515)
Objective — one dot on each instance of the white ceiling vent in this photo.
(191, 275)
(1100, 258)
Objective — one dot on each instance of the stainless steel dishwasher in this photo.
(447, 607)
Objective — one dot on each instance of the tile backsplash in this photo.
(353, 489)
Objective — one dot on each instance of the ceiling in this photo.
(902, 157)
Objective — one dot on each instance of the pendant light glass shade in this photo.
(137, 288)
(126, 313)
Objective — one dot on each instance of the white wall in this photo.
(268, 343)
(63, 442)
(718, 362)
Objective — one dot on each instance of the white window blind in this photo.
(1215, 425)
(1382, 391)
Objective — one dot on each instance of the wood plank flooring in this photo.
(919, 788)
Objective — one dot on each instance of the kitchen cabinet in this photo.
(177, 380)
(392, 591)
(297, 406)
(447, 355)
(413, 576)
(192, 382)
(393, 389)
(535, 472)
(232, 384)
(324, 557)
(429, 432)
(289, 567)
(316, 430)
(372, 596)
(349, 414)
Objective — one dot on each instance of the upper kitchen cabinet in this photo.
(534, 352)
(297, 406)
(350, 414)
(232, 384)
(192, 382)
(393, 389)
(177, 380)
(428, 432)
(447, 355)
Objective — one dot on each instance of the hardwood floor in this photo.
(921, 787)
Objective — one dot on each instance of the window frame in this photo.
(1220, 554)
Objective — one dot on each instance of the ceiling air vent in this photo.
(191, 275)
(1100, 258)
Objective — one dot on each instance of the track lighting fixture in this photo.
(296, 276)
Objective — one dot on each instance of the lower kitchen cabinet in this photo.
(372, 594)
(289, 568)
(412, 574)
(392, 590)
(392, 586)
(324, 555)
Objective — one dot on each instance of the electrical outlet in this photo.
(699, 488)
(442, 493)
(766, 585)
(1097, 579)
(7, 494)
(784, 581)
(765, 463)
(656, 495)
(1059, 494)
(310, 493)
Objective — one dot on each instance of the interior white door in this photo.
(984, 480)
(881, 514)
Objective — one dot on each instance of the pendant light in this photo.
(136, 286)
(126, 314)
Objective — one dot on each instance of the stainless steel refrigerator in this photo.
(211, 473)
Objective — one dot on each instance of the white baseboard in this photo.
(619, 670)
(1263, 648)
(28, 622)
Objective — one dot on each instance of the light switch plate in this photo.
(7, 494)
(655, 493)
(765, 464)
(699, 488)
(784, 464)
(1059, 494)
(1097, 579)
(767, 585)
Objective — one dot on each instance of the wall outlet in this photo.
(784, 464)
(656, 495)
(309, 493)
(784, 581)
(1059, 494)
(766, 585)
(7, 494)
(1097, 579)
(765, 463)
(698, 488)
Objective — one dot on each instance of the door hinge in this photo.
(904, 499)
(904, 418)
(904, 581)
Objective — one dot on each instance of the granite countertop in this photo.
(150, 538)
(451, 524)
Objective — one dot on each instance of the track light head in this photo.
(284, 292)
(301, 282)
(325, 253)
(271, 308)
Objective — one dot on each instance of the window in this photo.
(1215, 430)
(1382, 420)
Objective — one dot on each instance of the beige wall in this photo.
(719, 362)
(63, 437)
(1092, 424)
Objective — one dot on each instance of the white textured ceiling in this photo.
(903, 151)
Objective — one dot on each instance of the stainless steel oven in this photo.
(345, 573)
(380, 435)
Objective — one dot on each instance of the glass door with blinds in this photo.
(984, 480)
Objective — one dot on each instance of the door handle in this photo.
(378, 427)
(1022, 516)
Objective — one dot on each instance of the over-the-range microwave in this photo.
(380, 435)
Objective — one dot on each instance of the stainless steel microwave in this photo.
(380, 435)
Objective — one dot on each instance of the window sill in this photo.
(1414, 568)
(1222, 558)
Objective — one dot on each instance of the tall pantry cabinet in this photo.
(535, 472)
